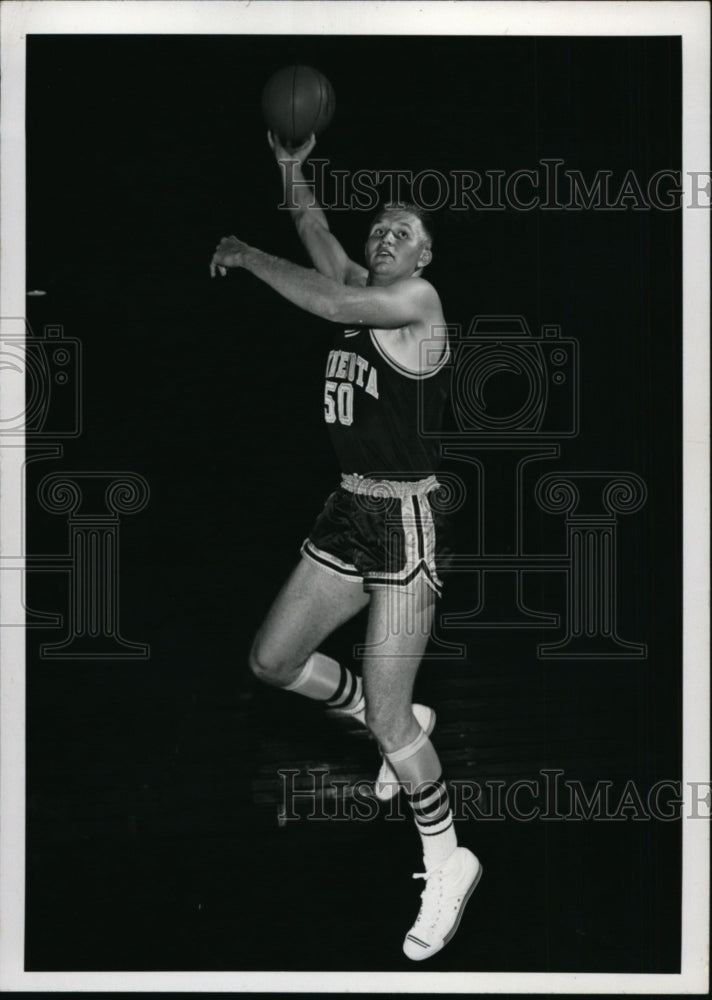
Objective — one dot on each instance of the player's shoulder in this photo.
(422, 291)
(419, 285)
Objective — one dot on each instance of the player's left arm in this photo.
(392, 306)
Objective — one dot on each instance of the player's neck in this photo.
(383, 280)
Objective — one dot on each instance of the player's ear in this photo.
(426, 256)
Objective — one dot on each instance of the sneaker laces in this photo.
(430, 887)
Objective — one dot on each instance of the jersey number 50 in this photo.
(339, 402)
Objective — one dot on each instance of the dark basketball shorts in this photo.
(382, 533)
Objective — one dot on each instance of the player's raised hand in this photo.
(284, 154)
(227, 254)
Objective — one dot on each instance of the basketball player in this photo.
(378, 541)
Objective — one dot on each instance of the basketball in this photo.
(296, 101)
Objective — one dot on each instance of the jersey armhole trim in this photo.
(408, 372)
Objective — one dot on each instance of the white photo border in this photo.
(691, 21)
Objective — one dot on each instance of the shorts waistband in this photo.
(388, 487)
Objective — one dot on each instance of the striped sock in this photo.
(434, 822)
(323, 679)
(348, 697)
(418, 769)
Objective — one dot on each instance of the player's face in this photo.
(396, 247)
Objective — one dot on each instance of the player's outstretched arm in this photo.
(412, 300)
(327, 254)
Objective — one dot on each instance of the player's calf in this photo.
(393, 727)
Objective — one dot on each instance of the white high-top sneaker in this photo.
(447, 889)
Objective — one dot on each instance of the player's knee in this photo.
(261, 664)
(268, 666)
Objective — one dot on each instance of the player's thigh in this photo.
(399, 625)
(309, 607)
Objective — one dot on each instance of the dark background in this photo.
(152, 833)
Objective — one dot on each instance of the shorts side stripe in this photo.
(331, 563)
(418, 528)
(429, 534)
(399, 580)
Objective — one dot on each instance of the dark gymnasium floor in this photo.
(155, 840)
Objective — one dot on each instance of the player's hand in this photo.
(284, 154)
(228, 253)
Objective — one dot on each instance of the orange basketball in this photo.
(296, 101)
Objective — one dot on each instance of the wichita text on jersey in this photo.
(384, 419)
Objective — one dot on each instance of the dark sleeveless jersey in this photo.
(384, 419)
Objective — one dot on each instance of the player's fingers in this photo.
(222, 270)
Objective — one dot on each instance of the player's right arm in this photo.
(325, 251)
